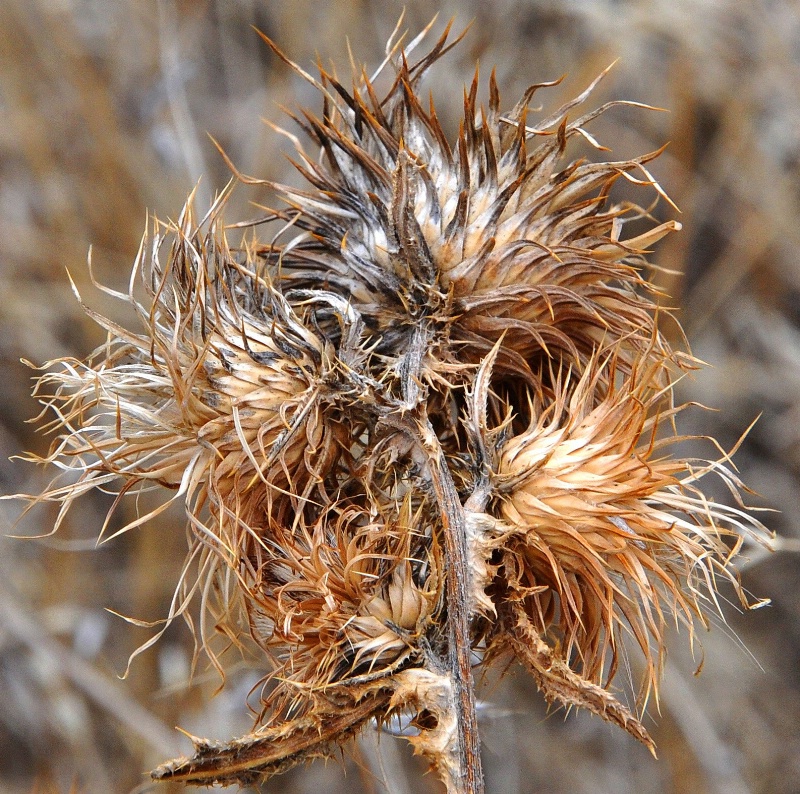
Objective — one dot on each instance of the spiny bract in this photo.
(456, 338)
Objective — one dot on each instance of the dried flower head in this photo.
(435, 422)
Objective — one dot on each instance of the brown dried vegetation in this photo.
(428, 422)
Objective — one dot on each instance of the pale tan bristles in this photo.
(606, 526)
(207, 401)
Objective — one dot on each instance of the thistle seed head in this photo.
(432, 418)
(499, 234)
(343, 602)
(606, 532)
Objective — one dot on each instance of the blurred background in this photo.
(105, 109)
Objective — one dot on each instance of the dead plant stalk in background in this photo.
(426, 427)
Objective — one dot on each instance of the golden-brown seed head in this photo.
(606, 531)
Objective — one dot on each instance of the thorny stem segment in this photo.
(469, 777)
(251, 759)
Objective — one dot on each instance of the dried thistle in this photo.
(433, 423)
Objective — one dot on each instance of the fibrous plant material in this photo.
(426, 426)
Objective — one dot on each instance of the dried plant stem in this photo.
(468, 778)
(250, 759)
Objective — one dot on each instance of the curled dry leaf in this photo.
(429, 423)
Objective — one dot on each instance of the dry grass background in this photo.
(105, 107)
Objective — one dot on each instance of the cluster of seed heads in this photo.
(426, 427)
